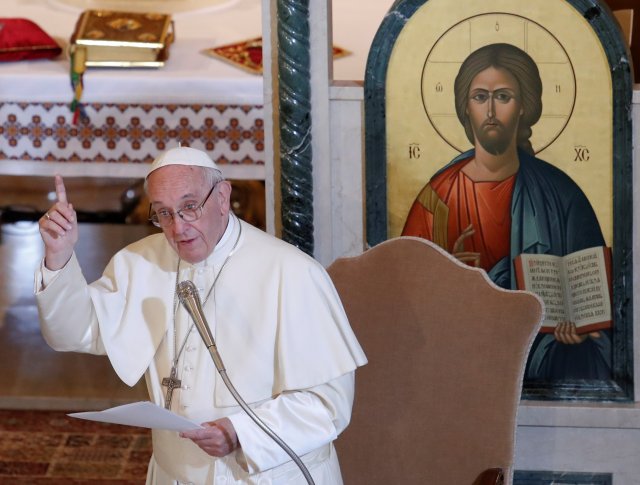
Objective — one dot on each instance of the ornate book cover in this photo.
(123, 39)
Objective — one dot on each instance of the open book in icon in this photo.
(575, 287)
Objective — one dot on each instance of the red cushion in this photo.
(22, 39)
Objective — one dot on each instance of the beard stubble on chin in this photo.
(496, 140)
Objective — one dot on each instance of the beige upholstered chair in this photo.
(437, 402)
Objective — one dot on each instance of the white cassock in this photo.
(279, 327)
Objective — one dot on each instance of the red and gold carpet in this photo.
(50, 448)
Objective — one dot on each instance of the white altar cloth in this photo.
(134, 113)
(189, 76)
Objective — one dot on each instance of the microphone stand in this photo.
(189, 297)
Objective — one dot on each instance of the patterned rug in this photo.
(50, 448)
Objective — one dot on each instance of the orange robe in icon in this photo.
(451, 201)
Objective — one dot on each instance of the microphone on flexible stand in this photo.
(190, 299)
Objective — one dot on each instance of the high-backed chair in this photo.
(437, 402)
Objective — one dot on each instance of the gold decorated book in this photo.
(575, 287)
(104, 38)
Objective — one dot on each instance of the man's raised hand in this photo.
(59, 229)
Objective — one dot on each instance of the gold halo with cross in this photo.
(447, 54)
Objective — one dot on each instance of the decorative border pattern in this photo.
(130, 133)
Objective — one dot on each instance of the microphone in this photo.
(190, 299)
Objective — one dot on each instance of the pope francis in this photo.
(277, 320)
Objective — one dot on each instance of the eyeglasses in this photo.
(189, 213)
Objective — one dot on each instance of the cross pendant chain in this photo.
(172, 382)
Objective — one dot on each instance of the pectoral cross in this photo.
(172, 382)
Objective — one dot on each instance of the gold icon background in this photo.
(423, 131)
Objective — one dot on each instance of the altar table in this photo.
(133, 114)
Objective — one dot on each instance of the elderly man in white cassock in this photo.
(277, 320)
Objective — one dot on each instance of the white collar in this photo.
(223, 247)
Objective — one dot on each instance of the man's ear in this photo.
(223, 192)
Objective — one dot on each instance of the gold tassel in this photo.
(78, 56)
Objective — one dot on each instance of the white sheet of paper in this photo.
(144, 414)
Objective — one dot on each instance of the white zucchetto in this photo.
(183, 156)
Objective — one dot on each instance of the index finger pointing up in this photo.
(61, 192)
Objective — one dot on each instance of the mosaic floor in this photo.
(48, 447)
